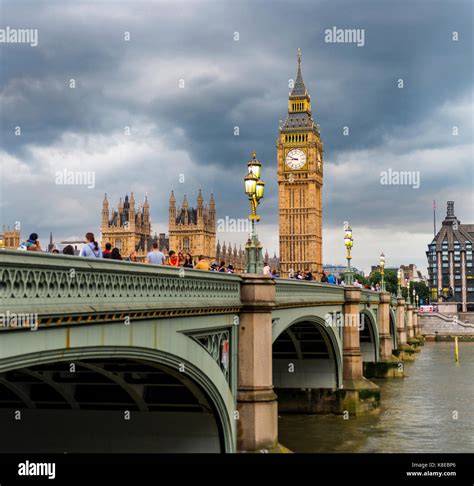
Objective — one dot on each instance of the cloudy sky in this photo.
(188, 73)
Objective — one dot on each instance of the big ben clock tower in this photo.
(300, 181)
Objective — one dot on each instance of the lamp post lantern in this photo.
(348, 243)
(255, 189)
(408, 293)
(382, 272)
(413, 293)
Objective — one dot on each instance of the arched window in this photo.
(186, 244)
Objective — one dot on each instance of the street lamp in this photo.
(382, 272)
(348, 243)
(417, 300)
(255, 189)
(413, 293)
(399, 286)
(408, 293)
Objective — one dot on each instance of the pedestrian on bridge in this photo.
(91, 249)
(175, 260)
(188, 261)
(202, 264)
(31, 244)
(155, 256)
(115, 255)
(108, 250)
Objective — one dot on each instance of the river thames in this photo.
(430, 410)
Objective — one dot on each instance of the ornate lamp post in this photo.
(382, 272)
(417, 300)
(399, 286)
(408, 293)
(413, 293)
(348, 243)
(254, 188)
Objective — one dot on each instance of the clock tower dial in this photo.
(300, 170)
(295, 159)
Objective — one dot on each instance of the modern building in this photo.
(300, 181)
(10, 237)
(339, 270)
(450, 272)
(193, 230)
(126, 228)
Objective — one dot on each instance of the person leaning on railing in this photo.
(202, 264)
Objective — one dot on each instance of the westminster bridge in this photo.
(117, 356)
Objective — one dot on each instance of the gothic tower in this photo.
(300, 181)
(127, 229)
(193, 230)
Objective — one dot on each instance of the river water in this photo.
(430, 410)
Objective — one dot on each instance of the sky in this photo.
(146, 96)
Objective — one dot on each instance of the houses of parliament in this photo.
(193, 229)
(190, 229)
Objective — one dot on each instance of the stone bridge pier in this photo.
(388, 365)
(257, 427)
(358, 394)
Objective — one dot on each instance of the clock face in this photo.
(295, 159)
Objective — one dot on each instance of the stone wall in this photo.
(454, 325)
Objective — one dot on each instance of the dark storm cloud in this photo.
(244, 83)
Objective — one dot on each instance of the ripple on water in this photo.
(418, 413)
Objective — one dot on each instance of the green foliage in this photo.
(361, 279)
(421, 290)
(391, 280)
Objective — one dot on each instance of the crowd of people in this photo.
(91, 249)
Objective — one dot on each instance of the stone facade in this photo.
(126, 228)
(300, 180)
(191, 229)
(235, 257)
(10, 238)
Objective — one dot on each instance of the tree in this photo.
(421, 290)
(361, 279)
(390, 277)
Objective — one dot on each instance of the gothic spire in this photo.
(299, 89)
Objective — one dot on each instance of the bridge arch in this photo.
(312, 347)
(148, 377)
(369, 336)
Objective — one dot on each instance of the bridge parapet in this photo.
(55, 285)
(369, 296)
(297, 293)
